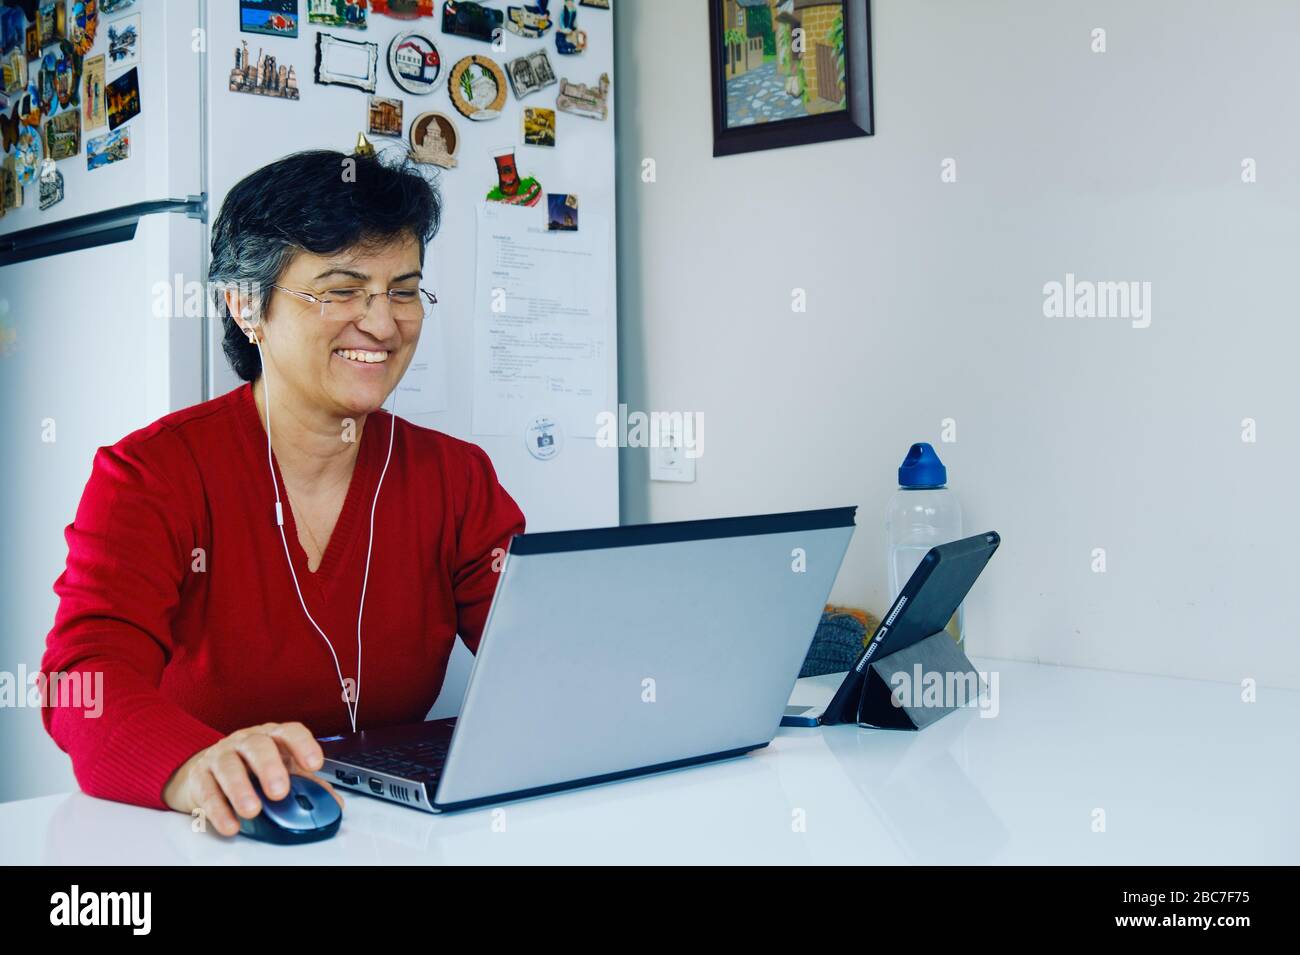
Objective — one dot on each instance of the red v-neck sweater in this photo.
(177, 590)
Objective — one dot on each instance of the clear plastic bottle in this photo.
(922, 513)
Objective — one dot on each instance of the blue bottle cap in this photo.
(922, 468)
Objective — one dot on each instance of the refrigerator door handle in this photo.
(95, 229)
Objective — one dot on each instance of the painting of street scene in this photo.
(782, 59)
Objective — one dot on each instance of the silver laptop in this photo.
(613, 653)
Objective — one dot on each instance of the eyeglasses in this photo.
(352, 304)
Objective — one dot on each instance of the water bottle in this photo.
(922, 513)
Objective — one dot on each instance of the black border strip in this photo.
(671, 532)
(592, 780)
(85, 232)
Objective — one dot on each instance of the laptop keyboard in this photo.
(420, 759)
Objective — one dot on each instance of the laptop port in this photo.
(377, 786)
(345, 777)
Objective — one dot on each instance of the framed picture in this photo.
(346, 62)
(789, 72)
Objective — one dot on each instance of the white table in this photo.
(1185, 772)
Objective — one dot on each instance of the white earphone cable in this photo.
(355, 699)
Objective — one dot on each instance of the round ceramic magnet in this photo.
(434, 140)
(544, 437)
(477, 86)
(414, 62)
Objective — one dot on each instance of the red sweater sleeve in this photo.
(130, 549)
(489, 517)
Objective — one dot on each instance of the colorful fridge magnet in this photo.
(13, 29)
(15, 71)
(510, 189)
(83, 23)
(122, 97)
(63, 135)
(414, 62)
(116, 6)
(124, 41)
(269, 17)
(262, 76)
(9, 129)
(590, 101)
(598, 4)
(543, 437)
(33, 41)
(93, 114)
(434, 140)
(11, 190)
(27, 153)
(477, 87)
(568, 38)
(52, 18)
(59, 81)
(363, 148)
(539, 126)
(109, 148)
(351, 63)
(403, 9)
(561, 212)
(338, 13)
(50, 185)
(530, 73)
(530, 22)
(471, 20)
(384, 116)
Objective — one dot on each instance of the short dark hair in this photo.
(319, 201)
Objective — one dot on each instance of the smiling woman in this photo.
(222, 557)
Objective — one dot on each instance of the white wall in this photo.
(925, 301)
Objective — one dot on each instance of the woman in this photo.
(228, 640)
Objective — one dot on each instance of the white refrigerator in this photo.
(101, 327)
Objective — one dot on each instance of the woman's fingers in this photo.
(212, 802)
(300, 743)
(262, 756)
(232, 776)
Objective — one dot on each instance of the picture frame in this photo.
(774, 87)
(341, 62)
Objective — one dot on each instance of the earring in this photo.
(252, 337)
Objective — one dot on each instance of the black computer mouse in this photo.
(308, 814)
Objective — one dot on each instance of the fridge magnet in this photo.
(530, 22)
(403, 9)
(530, 73)
(269, 17)
(385, 116)
(15, 72)
(124, 41)
(83, 24)
(598, 4)
(9, 125)
(93, 114)
(122, 97)
(471, 20)
(34, 41)
(569, 40)
(539, 126)
(11, 190)
(364, 147)
(109, 7)
(52, 21)
(477, 87)
(414, 62)
(50, 185)
(794, 74)
(351, 63)
(434, 140)
(561, 212)
(581, 100)
(109, 148)
(510, 189)
(27, 153)
(543, 437)
(262, 76)
(63, 135)
(59, 81)
(13, 29)
(338, 13)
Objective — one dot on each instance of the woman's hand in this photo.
(216, 780)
